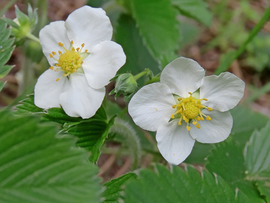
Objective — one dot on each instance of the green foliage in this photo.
(2, 84)
(91, 132)
(156, 20)
(195, 9)
(37, 167)
(257, 160)
(114, 188)
(138, 57)
(6, 49)
(179, 186)
(248, 171)
(227, 161)
(231, 56)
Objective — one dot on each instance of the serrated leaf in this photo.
(227, 161)
(114, 188)
(156, 20)
(138, 57)
(35, 167)
(195, 9)
(257, 151)
(95, 152)
(257, 160)
(91, 132)
(179, 186)
(5, 49)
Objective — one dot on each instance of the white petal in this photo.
(102, 64)
(50, 36)
(223, 92)
(183, 75)
(89, 26)
(80, 100)
(216, 130)
(174, 142)
(47, 90)
(151, 106)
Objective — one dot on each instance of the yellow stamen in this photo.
(51, 67)
(57, 79)
(51, 55)
(59, 52)
(77, 49)
(71, 41)
(208, 118)
(82, 45)
(210, 109)
(188, 128)
(198, 126)
(60, 44)
(172, 116)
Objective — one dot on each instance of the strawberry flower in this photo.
(186, 106)
(82, 60)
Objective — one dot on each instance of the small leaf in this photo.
(91, 132)
(156, 20)
(114, 188)
(37, 168)
(179, 186)
(195, 9)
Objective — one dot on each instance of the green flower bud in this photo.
(125, 84)
(23, 24)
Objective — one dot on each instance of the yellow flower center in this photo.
(69, 61)
(190, 110)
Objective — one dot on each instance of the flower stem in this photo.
(139, 75)
(32, 37)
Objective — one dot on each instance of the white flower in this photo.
(186, 106)
(82, 59)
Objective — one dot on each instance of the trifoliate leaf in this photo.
(35, 167)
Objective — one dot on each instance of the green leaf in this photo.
(114, 188)
(156, 20)
(38, 168)
(5, 70)
(257, 151)
(95, 152)
(245, 121)
(227, 60)
(5, 48)
(179, 186)
(195, 9)
(138, 57)
(227, 161)
(2, 84)
(91, 132)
